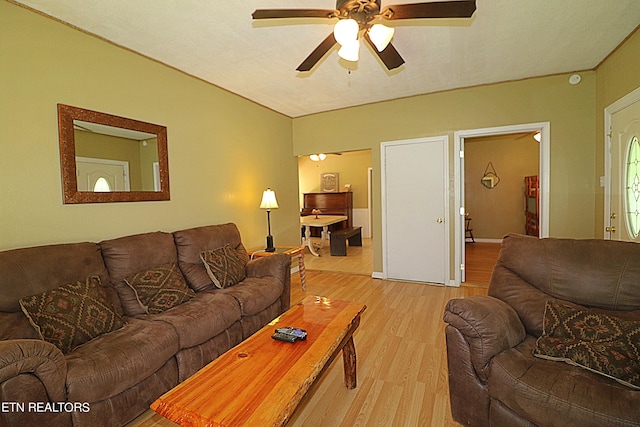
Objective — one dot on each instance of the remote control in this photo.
(298, 333)
(283, 337)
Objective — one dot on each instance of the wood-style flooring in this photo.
(400, 345)
(479, 261)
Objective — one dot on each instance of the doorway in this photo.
(353, 171)
(459, 173)
(102, 175)
(415, 226)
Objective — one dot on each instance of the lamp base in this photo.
(270, 247)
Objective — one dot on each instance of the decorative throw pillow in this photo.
(225, 266)
(160, 288)
(72, 314)
(604, 344)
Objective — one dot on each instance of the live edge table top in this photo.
(261, 381)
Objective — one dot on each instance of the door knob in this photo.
(611, 229)
(439, 220)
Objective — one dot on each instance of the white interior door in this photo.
(101, 175)
(625, 174)
(415, 210)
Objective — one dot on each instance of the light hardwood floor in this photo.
(402, 365)
(480, 257)
(359, 259)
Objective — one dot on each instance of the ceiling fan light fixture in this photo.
(381, 36)
(350, 51)
(346, 31)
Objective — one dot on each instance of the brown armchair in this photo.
(494, 377)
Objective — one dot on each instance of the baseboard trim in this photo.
(487, 240)
(377, 275)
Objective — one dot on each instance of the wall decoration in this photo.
(329, 182)
(490, 178)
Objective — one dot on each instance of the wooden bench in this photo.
(338, 240)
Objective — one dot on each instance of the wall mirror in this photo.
(106, 158)
(490, 178)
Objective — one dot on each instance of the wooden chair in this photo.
(468, 231)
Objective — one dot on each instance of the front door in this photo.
(625, 175)
(415, 220)
(101, 175)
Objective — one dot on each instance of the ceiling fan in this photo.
(358, 15)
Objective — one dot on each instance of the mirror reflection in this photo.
(107, 158)
(115, 159)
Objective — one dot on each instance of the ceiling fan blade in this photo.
(389, 56)
(441, 9)
(317, 53)
(293, 13)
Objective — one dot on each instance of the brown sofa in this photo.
(494, 377)
(113, 378)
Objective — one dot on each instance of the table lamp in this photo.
(269, 202)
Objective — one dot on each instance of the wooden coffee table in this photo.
(261, 381)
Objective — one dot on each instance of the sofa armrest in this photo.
(488, 324)
(36, 357)
(277, 265)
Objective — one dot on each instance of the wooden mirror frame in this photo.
(66, 115)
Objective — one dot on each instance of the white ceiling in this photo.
(217, 41)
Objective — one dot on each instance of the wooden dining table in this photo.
(323, 221)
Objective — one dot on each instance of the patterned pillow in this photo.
(160, 288)
(225, 266)
(604, 344)
(72, 314)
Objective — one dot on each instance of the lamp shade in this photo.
(381, 35)
(269, 200)
(350, 51)
(345, 31)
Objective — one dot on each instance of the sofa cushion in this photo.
(16, 326)
(129, 255)
(255, 294)
(604, 344)
(160, 288)
(72, 314)
(225, 266)
(30, 271)
(191, 242)
(112, 363)
(551, 393)
(201, 318)
(601, 274)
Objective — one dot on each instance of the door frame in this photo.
(622, 103)
(444, 139)
(458, 171)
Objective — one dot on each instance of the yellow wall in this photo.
(223, 150)
(351, 166)
(500, 210)
(148, 156)
(617, 76)
(570, 110)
